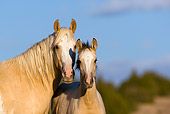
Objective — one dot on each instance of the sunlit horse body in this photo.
(28, 81)
(83, 97)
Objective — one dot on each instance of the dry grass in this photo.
(161, 105)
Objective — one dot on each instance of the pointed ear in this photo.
(78, 45)
(56, 26)
(94, 44)
(73, 25)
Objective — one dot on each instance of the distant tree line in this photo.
(137, 89)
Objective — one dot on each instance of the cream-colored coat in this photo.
(75, 99)
(28, 81)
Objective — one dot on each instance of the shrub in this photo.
(113, 101)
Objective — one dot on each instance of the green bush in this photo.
(137, 89)
(113, 101)
(161, 84)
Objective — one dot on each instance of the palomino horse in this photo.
(83, 97)
(28, 81)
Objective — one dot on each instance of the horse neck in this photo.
(88, 96)
(38, 65)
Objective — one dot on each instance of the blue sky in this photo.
(131, 34)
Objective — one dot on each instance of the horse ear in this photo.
(73, 25)
(78, 45)
(94, 44)
(56, 26)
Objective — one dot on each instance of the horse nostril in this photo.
(71, 75)
(62, 68)
(64, 73)
(91, 81)
(73, 72)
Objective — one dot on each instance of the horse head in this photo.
(64, 47)
(87, 62)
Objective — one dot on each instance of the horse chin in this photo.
(67, 80)
(89, 86)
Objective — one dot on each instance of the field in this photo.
(142, 94)
(161, 105)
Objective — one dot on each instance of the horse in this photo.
(28, 81)
(80, 97)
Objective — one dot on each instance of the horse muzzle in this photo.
(68, 79)
(87, 84)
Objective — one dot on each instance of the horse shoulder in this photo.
(7, 86)
(2, 110)
(101, 104)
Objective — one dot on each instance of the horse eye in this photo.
(78, 61)
(95, 60)
(56, 46)
(75, 47)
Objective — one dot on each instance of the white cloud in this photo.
(119, 70)
(147, 44)
(161, 65)
(123, 6)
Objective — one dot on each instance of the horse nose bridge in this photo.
(88, 78)
(87, 66)
(67, 59)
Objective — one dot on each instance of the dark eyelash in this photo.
(56, 47)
